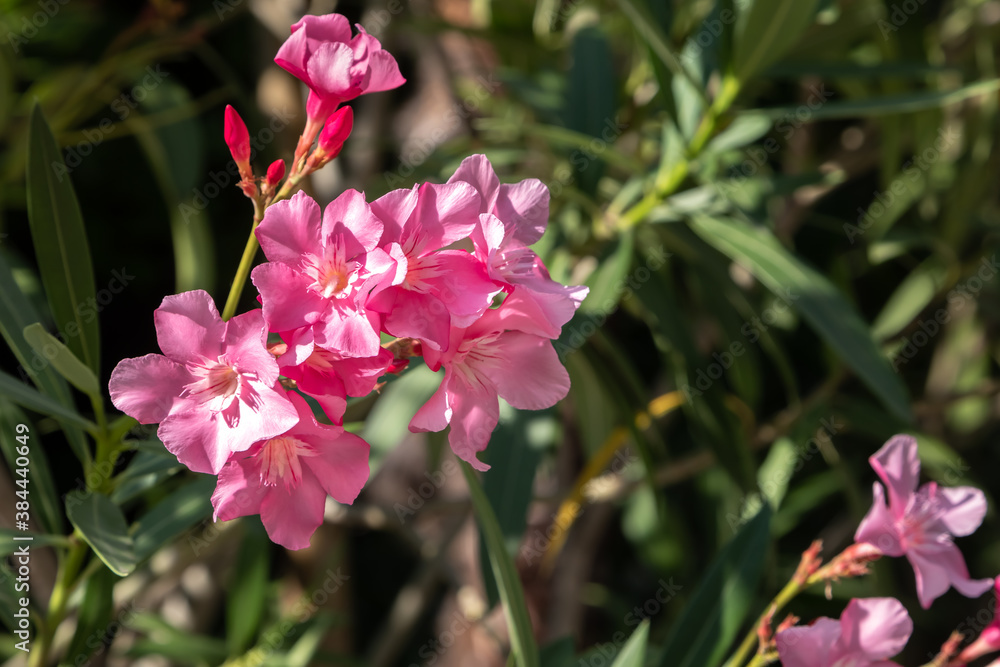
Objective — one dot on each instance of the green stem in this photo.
(791, 589)
(669, 179)
(68, 569)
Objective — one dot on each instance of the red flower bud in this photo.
(237, 136)
(338, 127)
(275, 172)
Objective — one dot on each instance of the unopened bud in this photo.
(275, 173)
(338, 127)
(237, 137)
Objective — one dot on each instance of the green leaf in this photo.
(103, 526)
(812, 295)
(173, 515)
(26, 397)
(166, 641)
(591, 101)
(912, 295)
(93, 618)
(17, 312)
(145, 471)
(62, 359)
(247, 598)
(889, 104)
(715, 613)
(607, 282)
(513, 457)
(45, 503)
(8, 597)
(745, 129)
(8, 544)
(522, 637)
(766, 31)
(61, 244)
(633, 654)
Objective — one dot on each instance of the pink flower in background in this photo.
(330, 378)
(287, 478)
(213, 393)
(321, 271)
(920, 523)
(493, 357)
(439, 288)
(869, 632)
(336, 66)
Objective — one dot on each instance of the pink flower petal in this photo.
(145, 388)
(238, 491)
(188, 327)
(288, 301)
(342, 467)
(528, 374)
(292, 515)
(329, 70)
(324, 28)
(874, 629)
(458, 280)
(475, 413)
(435, 414)
(350, 334)
(384, 73)
(878, 528)
(524, 209)
(899, 467)
(965, 509)
(808, 646)
(290, 229)
(477, 171)
(246, 339)
(351, 216)
(394, 209)
(197, 439)
(940, 566)
(293, 55)
(415, 315)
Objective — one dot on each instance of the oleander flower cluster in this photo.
(348, 293)
(919, 522)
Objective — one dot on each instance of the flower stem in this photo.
(791, 589)
(68, 569)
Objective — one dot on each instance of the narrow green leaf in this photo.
(890, 104)
(513, 457)
(22, 394)
(912, 295)
(103, 526)
(745, 129)
(93, 618)
(17, 312)
(522, 637)
(633, 654)
(166, 641)
(175, 514)
(45, 503)
(591, 102)
(607, 281)
(62, 359)
(8, 544)
(766, 31)
(715, 613)
(247, 599)
(61, 244)
(145, 471)
(812, 295)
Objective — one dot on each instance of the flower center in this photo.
(218, 379)
(514, 263)
(279, 460)
(474, 354)
(332, 274)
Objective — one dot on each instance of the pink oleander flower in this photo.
(214, 389)
(286, 479)
(492, 357)
(336, 67)
(869, 632)
(439, 288)
(322, 268)
(920, 523)
(513, 217)
(988, 640)
(331, 378)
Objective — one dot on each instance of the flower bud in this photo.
(237, 137)
(275, 173)
(338, 127)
